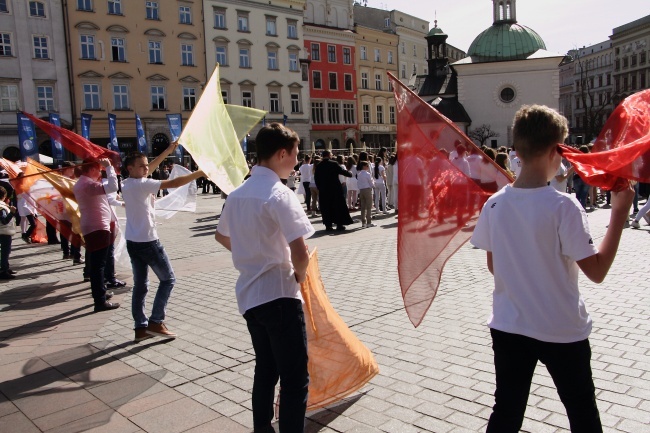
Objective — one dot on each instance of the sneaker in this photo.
(106, 306)
(11, 271)
(386, 212)
(159, 330)
(27, 240)
(635, 224)
(371, 225)
(141, 334)
(109, 295)
(79, 261)
(116, 284)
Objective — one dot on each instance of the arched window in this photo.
(501, 12)
(508, 11)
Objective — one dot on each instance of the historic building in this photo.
(507, 66)
(412, 52)
(259, 47)
(631, 46)
(330, 67)
(33, 68)
(128, 57)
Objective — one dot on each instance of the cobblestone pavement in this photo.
(63, 368)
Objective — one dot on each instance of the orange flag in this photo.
(339, 363)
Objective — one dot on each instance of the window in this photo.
(247, 99)
(152, 10)
(609, 79)
(3, 6)
(633, 60)
(364, 80)
(295, 103)
(115, 7)
(333, 114)
(347, 82)
(380, 114)
(187, 55)
(317, 112)
(293, 62)
(271, 29)
(184, 15)
(642, 58)
(40, 47)
(377, 81)
(87, 47)
(219, 18)
(242, 21)
(189, 98)
(118, 53)
(625, 62)
(364, 53)
(5, 44)
(415, 69)
(333, 81)
(316, 79)
(386, 22)
(415, 51)
(331, 53)
(158, 98)
(91, 97)
(366, 113)
(244, 58)
(403, 47)
(9, 98)
(347, 57)
(641, 81)
(155, 52)
(292, 29)
(617, 64)
(274, 102)
(633, 82)
(315, 51)
(507, 94)
(85, 5)
(36, 9)
(403, 71)
(120, 97)
(390, 57)
(390, 86)
(377, 55)
(272, 60)
(348, 113)
(45, 98)
(222, 57)
(391, 115)
(224, 96)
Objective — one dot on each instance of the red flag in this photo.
(438, 204)
(620, 152)
(76, 144)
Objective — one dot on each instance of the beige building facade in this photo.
(135, 56)
(412, 53)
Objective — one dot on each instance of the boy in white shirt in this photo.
(536, 239)
(265, 227)
(142, 243)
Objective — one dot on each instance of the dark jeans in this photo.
(69, 249)
(98, 248)
(50, 230)
(515, 358)
(582, 190)
(305, 186)
(5, 250)
(279, 338)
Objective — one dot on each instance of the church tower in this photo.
(504, 11)
(437, 48)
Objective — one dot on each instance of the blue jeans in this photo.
(582, 190)
(144, 255)
(515, 359)
(279, 338)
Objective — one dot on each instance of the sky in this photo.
(562, 24)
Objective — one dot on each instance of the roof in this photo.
(505, 41)
(539, 54)
(452, 109)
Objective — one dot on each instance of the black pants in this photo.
(5, 250)
(31, 228)
(99, 246)
(305, 186)
(50, 230)
(279, 338)
(515, 358)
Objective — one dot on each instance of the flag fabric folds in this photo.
(213, 134)
(620, 153)
(179, 199)
(438, 203)
(339, 363)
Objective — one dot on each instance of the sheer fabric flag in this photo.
(213, 134)
(179, 199)
(438, 203)
(76, 143)
(620, 153)
(339, 363)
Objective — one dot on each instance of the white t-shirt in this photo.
(475, 162)
(138, 196)
(560, 186)
(380, 180)
(536, 236)
(261, 217)
(461, 163)
(515, 165)
(305, 172)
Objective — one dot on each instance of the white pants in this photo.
(394, 196)
(380, 194)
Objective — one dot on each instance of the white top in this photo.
(475, 162)
(536, 236)
(364, 180)
(515, 166)
(462, 164)
(489, 173)
(342, 178)
(395, 174)
(24, 205)
(261, 217)
(138, 195)
(560, 186)
(305, 172)
(379, 181)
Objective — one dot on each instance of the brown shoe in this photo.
(159, 330)
(141, 334)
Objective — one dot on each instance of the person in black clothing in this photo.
(331, 200)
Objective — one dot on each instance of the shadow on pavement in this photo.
(322, 417)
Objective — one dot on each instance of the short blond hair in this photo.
(536, 128)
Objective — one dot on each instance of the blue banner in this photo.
(175, 128)
(245, 144)
(142, 140)
(284, 120)
(112, 133)
(57, 148)
(27, 138)
(85, 125)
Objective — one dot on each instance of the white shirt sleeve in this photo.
(291, 217)
(576, 241)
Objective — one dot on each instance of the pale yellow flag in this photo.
(213, 134)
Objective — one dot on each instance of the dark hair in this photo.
(67, 164)
(490, 153)
(537, 128)
(3, 193)
(363, 156)
(339, 159)
(378, 162)
(274, 137)
(132, 157)
(350, 162)
(307, 158)
(361, 164)
(89, 164)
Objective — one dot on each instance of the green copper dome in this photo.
(505, 41)
(435, 31)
